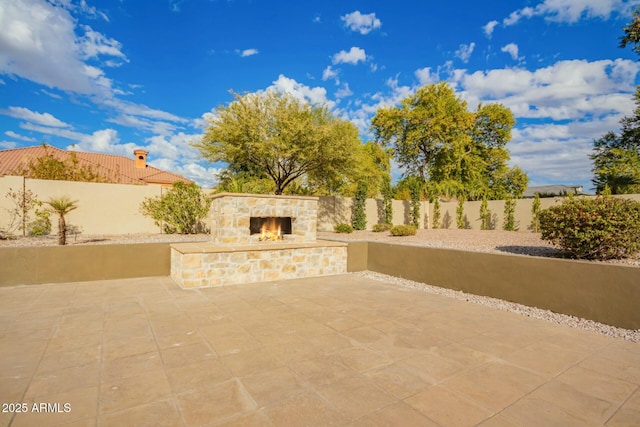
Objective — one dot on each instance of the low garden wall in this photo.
(58, 264)
(606, 293)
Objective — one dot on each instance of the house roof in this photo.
(113, 168)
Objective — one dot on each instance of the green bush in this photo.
(509, 221)
(404, 230)
(359, 219)
(436, 213)
(381, 227)
(180, 210)
(601, 228)
(535, 214)
(41, 226)
(343, 228)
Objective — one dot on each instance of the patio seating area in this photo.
(335, 350)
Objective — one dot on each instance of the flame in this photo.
(270, 231)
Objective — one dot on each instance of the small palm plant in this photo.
(62, 206)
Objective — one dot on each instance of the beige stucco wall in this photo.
(522, 214)
(337, 210)
(102, 208)
(605, 293)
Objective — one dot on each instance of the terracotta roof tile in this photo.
(114, 168)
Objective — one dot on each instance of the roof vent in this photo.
(141, 158)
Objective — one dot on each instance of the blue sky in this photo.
(111, 76)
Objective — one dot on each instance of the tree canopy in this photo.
(616, 158)
(68, 169)
(276, 136)
(453, 150)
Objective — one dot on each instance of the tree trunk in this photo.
(62, 231)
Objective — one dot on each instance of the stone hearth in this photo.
(237, 254)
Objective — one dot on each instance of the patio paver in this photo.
(339, 350)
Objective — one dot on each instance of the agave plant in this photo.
(62, 206)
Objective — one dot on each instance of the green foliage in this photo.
(436, 213)
(343, 228)
(276, 136)
(535, 214)
(381, 227)
(485, 215)
(599, 229)
(632, 32)
(387, 202)
(180, 210)
(67, 169)
(62, 206)
(41, 225)
(616, 161)
(435, 137)
(460, 219)
(243, 182)
(404, 230)
(509, 221)
(359, 219)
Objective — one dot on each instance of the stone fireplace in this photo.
(257, 238)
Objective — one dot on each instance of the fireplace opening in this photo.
(270, 229)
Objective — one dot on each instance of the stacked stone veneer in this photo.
(234, 256)
(231, 213)
(199, 265)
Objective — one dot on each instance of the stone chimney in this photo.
(141, 158)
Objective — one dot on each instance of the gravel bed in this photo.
(536, 313)
(496, 241)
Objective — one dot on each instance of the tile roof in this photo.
(114, 168)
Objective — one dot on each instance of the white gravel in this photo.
(496, 241)
(105, 239)
(536, 313)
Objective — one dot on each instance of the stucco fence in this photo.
(605, 293)
(115, 208)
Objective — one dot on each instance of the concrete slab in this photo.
(338, 350)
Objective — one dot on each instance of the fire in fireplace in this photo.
(270, 229)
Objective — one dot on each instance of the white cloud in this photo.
(363, 24)
(354, 56)
(12, 134)
(343, 92)
(426, 76)
(511, 49)
(489, 27)
(6, 145)
(93, 44)
(330, 73)
(314, 95)
(249, 52)
(570, 11)
(464, 51)
(45, 119)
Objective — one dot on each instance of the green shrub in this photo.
(381, 227)
(485, 215)
(404, 230)
(460, 219)
(343, 228)
(601, 228)
(509, 221)
(535, 214)
(436, 213)
(41, 226)
(180, 210)
(359, 219)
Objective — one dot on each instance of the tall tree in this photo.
(616, 158)
(277, 136)
(50, 167)
(454, 151)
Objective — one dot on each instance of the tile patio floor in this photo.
(341, 350)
